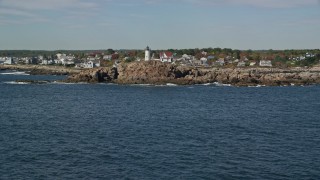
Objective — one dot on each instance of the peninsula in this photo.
(155, 72)
(182, 67)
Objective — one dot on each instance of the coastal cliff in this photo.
(155, 72)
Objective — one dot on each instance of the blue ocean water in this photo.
(105, 131)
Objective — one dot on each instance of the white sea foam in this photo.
(14, 82)
(221, 84)
(57, 82)
(207, 84)
(141, 85)
(171, 84)
(215, 84)
(257, 86)
(15, 73)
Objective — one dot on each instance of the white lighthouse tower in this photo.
(147, 56)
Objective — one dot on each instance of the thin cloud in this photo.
(276, 3)
(15, 12)
(106, 24)
(306, 22)
(31, 11)
(256, 3)
(46, 4)
(22, 21)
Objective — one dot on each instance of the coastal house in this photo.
(236, 60)
(185, 60)
(220, 62)
(211, 57)
(204, 53)
(187, 57)
(89, 64)
(8, 60)
(241, 64)
(107, 57)
(61, 56)
(40, 57)
(70, 57)
(47, 62)
(204, 61)
(2, 59)
(265, 63)
(166, 56)
(68, 62)
(309, 55)
(253, 63)
(244, 58)
(57, 61)
(91, 58)
(196, 63)
(31, 60)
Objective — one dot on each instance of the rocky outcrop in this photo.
(94, 76)
(155, 72)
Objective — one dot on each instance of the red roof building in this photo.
(166, 56)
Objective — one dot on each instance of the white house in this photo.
(107, 57)
(2, 59)
(265, 63)
(186, 57)
(253, 63)
(57, 61)
(68, 62)
(31, 60)
(70, 57)
(166, 56)
(147, 54)
(204, 61)
(61, 56)
(220, 62)
(47, 62)
(40, 57)
(89, 64)
(241, 64)
(8, 60)
(91, 58)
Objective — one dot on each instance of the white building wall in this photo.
(147, 55)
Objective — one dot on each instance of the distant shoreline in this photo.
(41, 69)
(157, 73)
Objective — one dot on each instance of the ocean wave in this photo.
(171, 84)
(257, 86)
(147, 85)
(216, 84)
(166, 85)
(65, 83)
(14, 82)
(15, 73)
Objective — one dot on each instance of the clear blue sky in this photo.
(161, 24)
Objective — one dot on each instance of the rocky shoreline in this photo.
(157, 73)
(42, 70)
